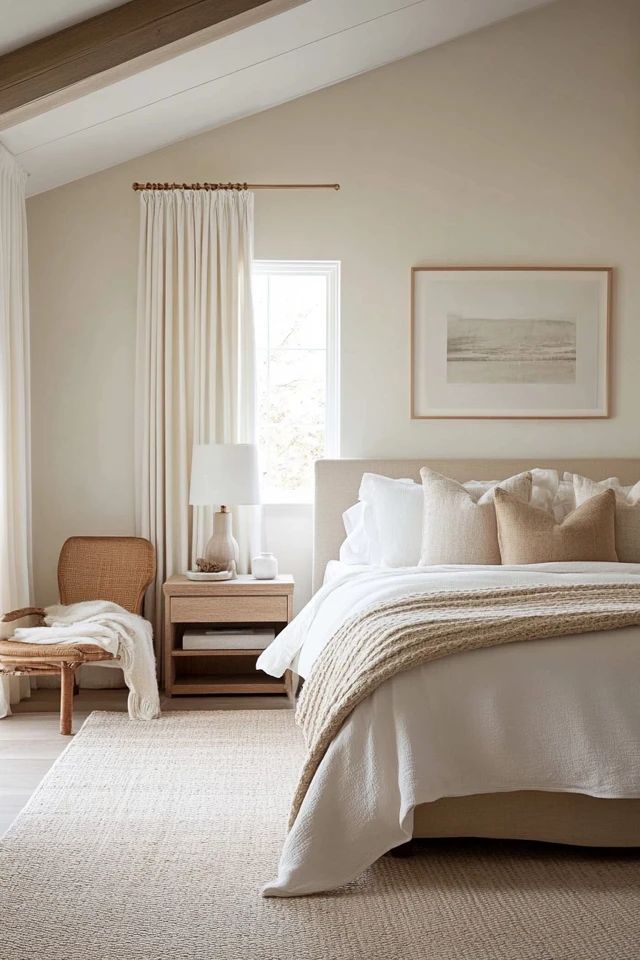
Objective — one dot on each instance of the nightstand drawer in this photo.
(248, 609)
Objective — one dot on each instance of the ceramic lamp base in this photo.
(222, 549)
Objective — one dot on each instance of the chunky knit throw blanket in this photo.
(408, 631)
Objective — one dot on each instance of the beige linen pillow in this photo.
(529, 535)
(627, 512)
(457, 527)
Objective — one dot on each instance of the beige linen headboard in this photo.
(337, 483)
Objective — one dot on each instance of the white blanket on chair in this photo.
(122, 634)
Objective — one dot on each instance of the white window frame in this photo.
(330, 269)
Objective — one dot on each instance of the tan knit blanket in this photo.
(406, 632)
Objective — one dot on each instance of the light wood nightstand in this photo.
(244, 602)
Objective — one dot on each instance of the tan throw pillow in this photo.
(529, 535)
(627, 512)
(457, 527)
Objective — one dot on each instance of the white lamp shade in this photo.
(224, 473)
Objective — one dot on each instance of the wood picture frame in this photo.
(516, 342)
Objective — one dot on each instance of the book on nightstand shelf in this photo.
(242, 639)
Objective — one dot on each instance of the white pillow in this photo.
(629, 494)
(458, 529)
(544, 488)
(357, 547)
(392, 519)
(385, 527)
(552, 494)
(548, 492)
(564, 501)
(627, 511)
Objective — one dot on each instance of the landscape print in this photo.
(535, 350)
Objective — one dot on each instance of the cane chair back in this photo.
(118, 569)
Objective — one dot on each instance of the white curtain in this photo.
(15, 468)
(195, 369)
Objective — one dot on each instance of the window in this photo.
(296, 314)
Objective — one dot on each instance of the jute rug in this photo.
(149, 841)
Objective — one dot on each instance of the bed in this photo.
(576, 806)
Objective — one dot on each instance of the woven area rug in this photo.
(149, 841)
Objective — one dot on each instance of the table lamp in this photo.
(224, 474)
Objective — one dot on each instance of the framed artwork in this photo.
(510, 342)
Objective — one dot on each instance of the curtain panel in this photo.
(15, 444)
(195, 365)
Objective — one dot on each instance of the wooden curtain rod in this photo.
(235, 186)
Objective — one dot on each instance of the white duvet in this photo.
(559, 714)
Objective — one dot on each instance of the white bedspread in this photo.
(560, 714)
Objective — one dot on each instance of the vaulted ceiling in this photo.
(250, 65)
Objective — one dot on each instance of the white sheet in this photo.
(560, 714)
(338, 568)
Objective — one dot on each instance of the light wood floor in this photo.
(30, 741)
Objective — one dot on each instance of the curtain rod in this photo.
(235, 186)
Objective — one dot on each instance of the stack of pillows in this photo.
(533, 517)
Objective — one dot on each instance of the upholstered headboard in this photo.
(337, 483)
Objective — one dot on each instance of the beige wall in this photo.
(518, 144)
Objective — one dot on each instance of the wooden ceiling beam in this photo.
(116, 44)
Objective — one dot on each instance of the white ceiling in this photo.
(26, 20)
(287, 56)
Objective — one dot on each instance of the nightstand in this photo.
(243, 602)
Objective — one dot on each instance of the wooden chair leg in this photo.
(67, 673)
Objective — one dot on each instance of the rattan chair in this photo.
(90, 568)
